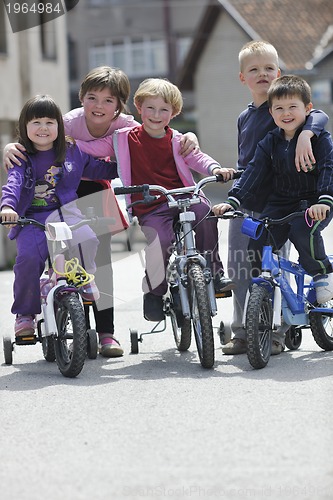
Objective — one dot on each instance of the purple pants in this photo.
(32, 252)
(157, 227)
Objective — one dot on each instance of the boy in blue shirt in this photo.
(259, 66)
(289, 102)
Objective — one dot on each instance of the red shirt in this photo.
(152, 162)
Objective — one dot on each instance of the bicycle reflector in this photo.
(58, 231)
(252, 228)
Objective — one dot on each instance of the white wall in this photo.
(220, 96)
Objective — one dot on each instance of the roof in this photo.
(301, 30)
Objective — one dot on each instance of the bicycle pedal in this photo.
(29, 339)
(222, 295)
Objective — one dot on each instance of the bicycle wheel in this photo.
(293, 338)
(200, 315)
(92, 344)
(71, 341)
(181, 327)
(322, 328)
(134, 342)
(48, 348)
(259, 315)
(8, 350)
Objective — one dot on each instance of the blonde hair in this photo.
(257, 47)
(158, 87)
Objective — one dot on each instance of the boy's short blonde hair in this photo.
(159, 87)
(257, 47)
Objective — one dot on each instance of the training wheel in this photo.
(134, 342)
(293, 338)
(8, 350)
(92, 344)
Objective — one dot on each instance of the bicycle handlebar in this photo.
(169, 193)
(92, 221)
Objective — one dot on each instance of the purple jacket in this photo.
(18, 193)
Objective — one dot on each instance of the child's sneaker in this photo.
(90, 292)
(109, 347)
(323, 284)
(24, 325)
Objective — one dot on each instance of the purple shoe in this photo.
(24, 325)
(109, 347)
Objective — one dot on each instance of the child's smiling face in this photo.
(289, 113)
(42, 132)
(156, 114)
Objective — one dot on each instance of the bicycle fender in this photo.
(48, 311)
(277, 307)
(264, 283)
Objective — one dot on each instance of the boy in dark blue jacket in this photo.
(289, 101)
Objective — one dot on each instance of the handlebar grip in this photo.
(237, 174)
(131, 189)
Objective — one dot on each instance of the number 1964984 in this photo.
(34, 8)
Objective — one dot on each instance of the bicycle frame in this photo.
(296, 304)
(186, 219)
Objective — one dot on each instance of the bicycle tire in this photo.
(181, 326)
(322, 328)
(48, 348)
(200, 315)
(293, 338)
(8, 350)
(134, 342)
(92, 344)
(71, 326)
(258, 326)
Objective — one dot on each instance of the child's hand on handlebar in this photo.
(226, 173)
(12, 153)
(221, 208)
(318, 211)
(7, 214)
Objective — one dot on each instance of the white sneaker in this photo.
(324, 287)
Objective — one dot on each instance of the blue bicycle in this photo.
(282, 292)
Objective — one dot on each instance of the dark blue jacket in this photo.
(253, 125)
(274, 165)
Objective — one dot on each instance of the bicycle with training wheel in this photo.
(283, 291)
(190, 301)
(61, 326)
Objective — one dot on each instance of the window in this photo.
(48, 39)
(137, 56)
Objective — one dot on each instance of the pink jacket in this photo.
(119, 148)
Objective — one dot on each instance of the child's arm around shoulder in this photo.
(314, 125)
(99, 148)
(94, 168)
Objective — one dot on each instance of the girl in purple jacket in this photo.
(44, 187)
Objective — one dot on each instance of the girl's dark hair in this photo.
(42, 106)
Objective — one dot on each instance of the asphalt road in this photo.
(157, 425)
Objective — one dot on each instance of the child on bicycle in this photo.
(289, 101)
(150, 153)
(44, 187)
(259, 66)
(103, 93)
